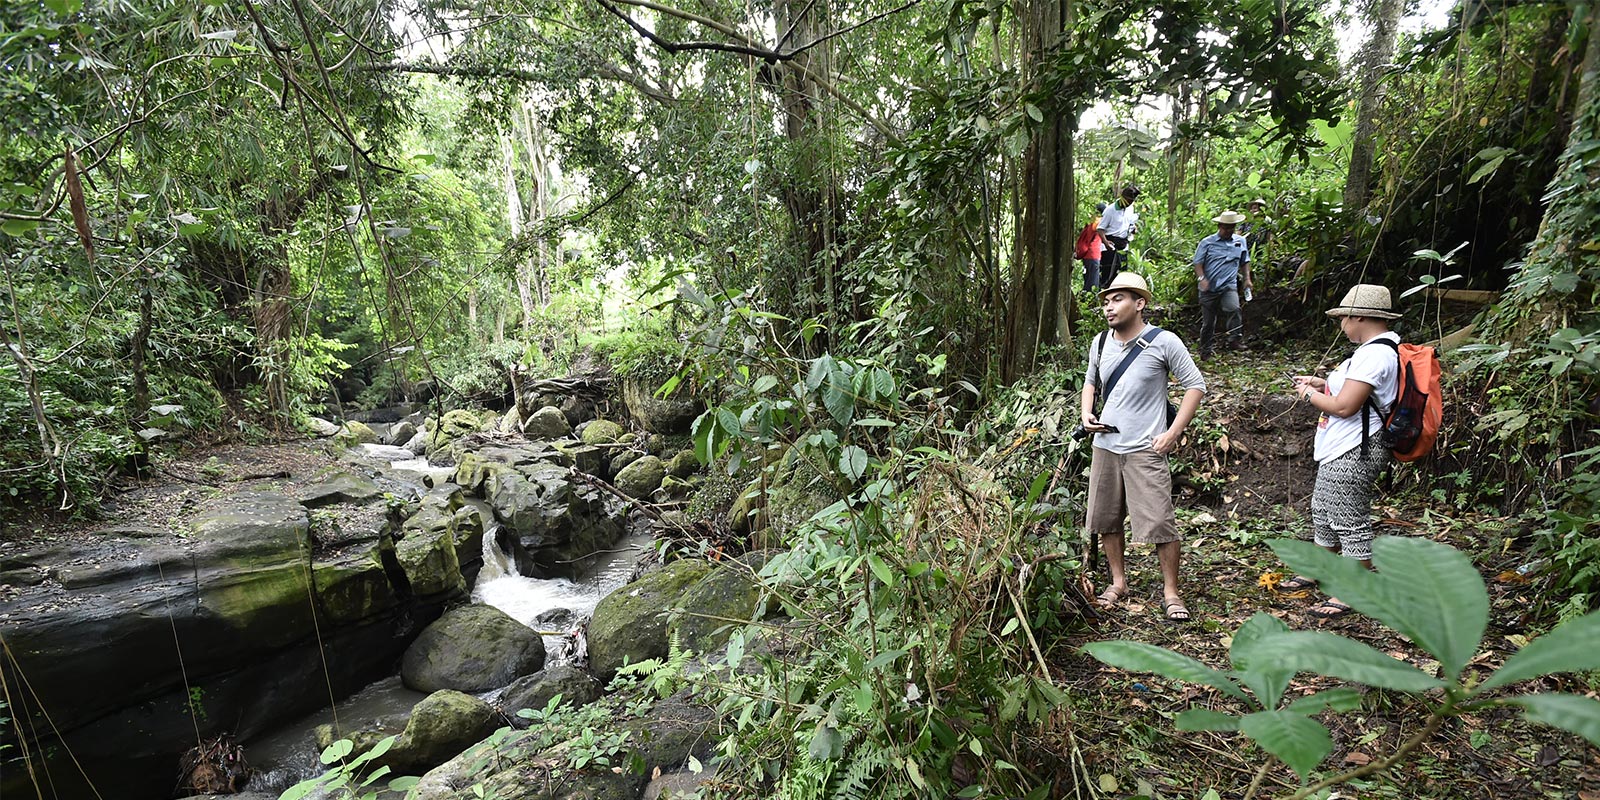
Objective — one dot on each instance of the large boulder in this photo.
(556, 518)
(641, 477)
(441, 726)
(454, 425)
(339, 487)
(669, 416)
(400, 433)
(728, 592)
(630, 624)
(472, 649)
(576, 688)
(358, 433)
(602, 431)
(547, 423)
(683, 464)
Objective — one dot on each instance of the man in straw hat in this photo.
(1222, 266)
(1341, 499)
(1134, 431)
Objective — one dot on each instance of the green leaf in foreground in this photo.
(1569, 648)
(1141, 657)
(1336, 699)
(1298, 741)
(1440, 593)
(1335, 656)
(1569, 712)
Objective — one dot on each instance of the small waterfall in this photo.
(558, 607)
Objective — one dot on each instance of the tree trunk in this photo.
(1041, 305)
(1561, 250)
(514, 218)
(1374, 55)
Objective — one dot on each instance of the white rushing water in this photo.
(555, 606)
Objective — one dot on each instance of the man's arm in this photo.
(1167, 441)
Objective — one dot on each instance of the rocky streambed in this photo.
(240, 598)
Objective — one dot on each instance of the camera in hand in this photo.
(1080, 433)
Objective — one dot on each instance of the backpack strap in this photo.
(1144, 344)
(1370, 407)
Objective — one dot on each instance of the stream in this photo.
(557, 607)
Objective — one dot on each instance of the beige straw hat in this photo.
(1229, 217)
(1365, 300)
(1128, 281)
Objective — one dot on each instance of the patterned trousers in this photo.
(1341, 502)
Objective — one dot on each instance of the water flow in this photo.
(557, 607)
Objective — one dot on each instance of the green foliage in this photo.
(1431, 593)
(350, 778)
(648, 349)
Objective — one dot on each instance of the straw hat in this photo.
(1365, 300)
(1256, 202)
(1229, 217)
(1128, 281)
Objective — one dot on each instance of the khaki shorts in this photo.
(1136, 485)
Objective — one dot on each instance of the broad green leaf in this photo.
(1442, 596)
(1335, 656)
(826, 743)
(1204, 719)
(853, 462)
(17, 227)
(881, 569)
(764, 384)
(838, 398)
(1034, 112)
(1265, 677)
(1571, 647)
(1430, 592)
(728, 422)
(1037, 488)
(337, 750)
(1298, 741)
(821, 367)
(1141, 657)
(64, 7)
(1569, 712)
(1342, 699)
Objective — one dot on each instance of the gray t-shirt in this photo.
(1138, 403)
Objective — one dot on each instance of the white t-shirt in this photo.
(1118, 221)
(1373, 364)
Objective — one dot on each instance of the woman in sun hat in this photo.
(1347, 467)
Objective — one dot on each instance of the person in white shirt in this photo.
(1351, 447)
(1118, 223)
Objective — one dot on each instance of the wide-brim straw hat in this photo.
(1256, 202)
(1128, 281)
(1229, 217)
(1365, 300)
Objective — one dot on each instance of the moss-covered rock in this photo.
(576, 688)
(623, 459)
(630, 624)
(683, 464)
(602, 431)
(430, 562)
(670, 415)
(353, 589)
(588, 459)
(454, 425)
(355, 432)
(510, 422)
(547, 423)
(641, 477)
(724, 597)
(441, 726)
(472, 649)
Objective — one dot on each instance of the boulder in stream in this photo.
(657, 415)
(576, 688)
(474, 648)
(630, 624)
(441, 726)
(641, 477)
(547, 423)
(729, 592)
(602, 431)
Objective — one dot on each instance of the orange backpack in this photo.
(1418, 410)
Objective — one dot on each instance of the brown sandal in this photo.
(1174, 610)
(1111, 596)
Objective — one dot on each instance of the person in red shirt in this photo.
(1088, 250)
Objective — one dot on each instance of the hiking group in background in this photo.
(1389, 394)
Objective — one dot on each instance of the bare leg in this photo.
(1115, 545)
(1168, 554)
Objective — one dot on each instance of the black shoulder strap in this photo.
(1144, 344)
